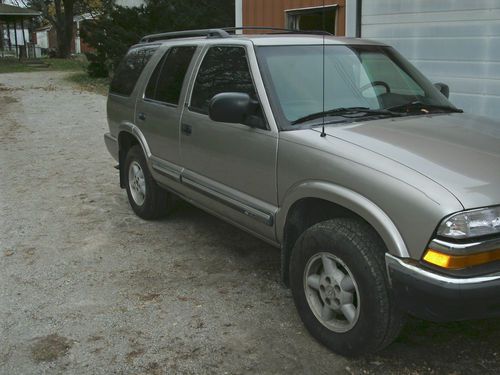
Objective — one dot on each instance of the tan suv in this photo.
(382, 196)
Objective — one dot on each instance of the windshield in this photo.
(358, 77)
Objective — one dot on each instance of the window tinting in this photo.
(166, 82)
(129, 70)
(224, 69)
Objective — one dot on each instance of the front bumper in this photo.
(112, 145)
(437, 297)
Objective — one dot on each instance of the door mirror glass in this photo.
(231, 107)
(443, 88)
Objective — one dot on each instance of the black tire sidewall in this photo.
(370, 328)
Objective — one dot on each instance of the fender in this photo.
(349, 199)
(130, 128)
(136, 132)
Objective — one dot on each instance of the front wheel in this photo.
(147, 199)
(340, 287)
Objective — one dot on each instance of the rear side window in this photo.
(130, 69)
(166, 82)
(224, 69)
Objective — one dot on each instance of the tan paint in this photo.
(271, 13)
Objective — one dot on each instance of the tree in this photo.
(112, 33)
(60, 13)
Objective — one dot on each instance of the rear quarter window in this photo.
(130, 69)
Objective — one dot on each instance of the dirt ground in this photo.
(86, 287)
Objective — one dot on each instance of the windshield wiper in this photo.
(346, 112)
(423, 106)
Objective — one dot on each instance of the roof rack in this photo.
(209, 33)
(280, 30)
(224, 33)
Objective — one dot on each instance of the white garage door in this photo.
(452, 41)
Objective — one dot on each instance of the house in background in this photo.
(451, 41)
(296, 14)
(14, 35)
(46, 38)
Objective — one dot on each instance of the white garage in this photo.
(452, 41)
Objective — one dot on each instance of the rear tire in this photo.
(340, 287)
(147, 199)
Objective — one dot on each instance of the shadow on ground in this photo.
(467, 347)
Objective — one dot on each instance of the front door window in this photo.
(224, 69)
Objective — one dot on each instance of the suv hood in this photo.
(460, 152)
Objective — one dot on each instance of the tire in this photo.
(146, 198)
(373, 321)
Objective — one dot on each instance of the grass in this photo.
(77, 66)
(87, 83)
(14, 66)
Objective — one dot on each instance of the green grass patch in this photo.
(66, 64)
(75, 66)
(7, 67)
(15, 66)
(87, 83)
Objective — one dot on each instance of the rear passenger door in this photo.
(123, 89)
(158, 110)
(231, 166)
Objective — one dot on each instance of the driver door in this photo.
(231, 168)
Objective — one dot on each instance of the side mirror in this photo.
(443, 88)
(232, 107)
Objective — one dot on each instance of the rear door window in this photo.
(166, 82)
(130, 69)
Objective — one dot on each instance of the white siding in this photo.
(19, 32)
(42, 39)
(130, 3)
(452, 41)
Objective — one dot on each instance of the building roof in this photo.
(10, 10)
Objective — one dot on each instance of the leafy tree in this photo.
(60, 13)
(112, 33)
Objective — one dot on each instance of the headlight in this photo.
(474, 223)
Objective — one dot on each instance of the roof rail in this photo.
(223, 33)
(209, 33)
(288, 31)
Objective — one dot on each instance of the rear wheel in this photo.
(340, 287)
(147, 199)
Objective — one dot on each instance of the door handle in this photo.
(141, 116)
(186, 129)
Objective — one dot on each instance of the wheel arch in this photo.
(128, 136)
(314, 201)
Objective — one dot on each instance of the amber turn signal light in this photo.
(456, 262)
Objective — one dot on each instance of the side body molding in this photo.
(346, 198)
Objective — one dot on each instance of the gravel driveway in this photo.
(89, 288)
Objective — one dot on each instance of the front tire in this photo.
(340, 287)
(147, 199)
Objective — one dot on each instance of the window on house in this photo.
(323, 18)
(130, 69)
(166, 82)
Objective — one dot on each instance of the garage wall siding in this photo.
(271, 13)
(452, 41)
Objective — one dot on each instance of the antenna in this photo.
(323, 134)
